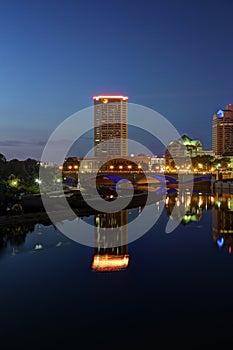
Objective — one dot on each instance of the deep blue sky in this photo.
(173, 56)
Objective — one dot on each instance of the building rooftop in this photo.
(110, 97)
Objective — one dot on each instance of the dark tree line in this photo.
(16, 176)
(26, 170)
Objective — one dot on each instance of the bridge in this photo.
(151, 179)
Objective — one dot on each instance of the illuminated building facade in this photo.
(110, 126)
(222, 131)
(183, 149)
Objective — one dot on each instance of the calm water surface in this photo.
(162, 288)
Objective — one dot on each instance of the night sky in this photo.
(175, 57)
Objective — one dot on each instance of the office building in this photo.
(222, 131)
(110, 126)
(183, 149)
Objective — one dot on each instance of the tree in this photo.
(2, 158)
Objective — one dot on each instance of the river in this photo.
(160, 288)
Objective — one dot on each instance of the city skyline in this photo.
(86, 142)
(173, 57)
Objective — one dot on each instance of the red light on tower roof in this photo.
(110, 97)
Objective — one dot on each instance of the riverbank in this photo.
(34, 212)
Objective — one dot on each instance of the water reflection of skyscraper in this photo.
(195, 204)
(114, 255)
(222, 221)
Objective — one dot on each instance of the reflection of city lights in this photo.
(230, 203)
(200, 202)
(109, 262)
(220, 242)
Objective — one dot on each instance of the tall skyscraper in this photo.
(110, 126)
(222, 131)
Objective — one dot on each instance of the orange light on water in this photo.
(109, 262)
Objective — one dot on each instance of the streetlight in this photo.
(38, 181)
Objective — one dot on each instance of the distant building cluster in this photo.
(111, 141)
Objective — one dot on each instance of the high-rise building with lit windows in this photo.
(222, 131)
(110, 126)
